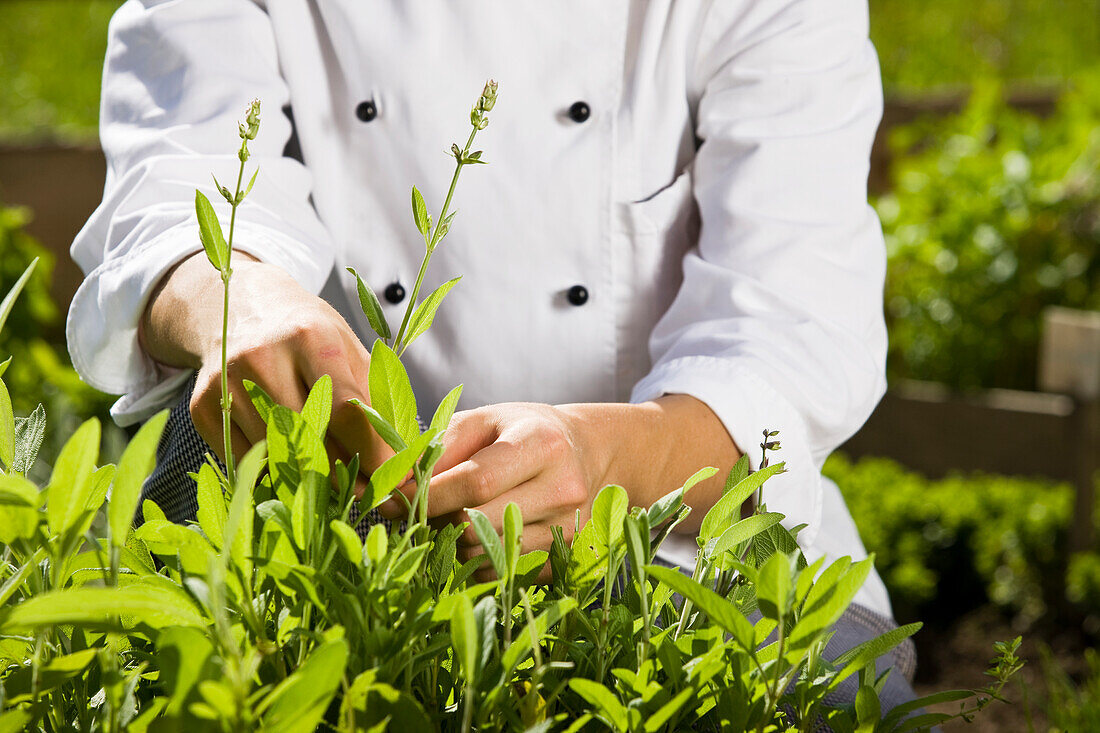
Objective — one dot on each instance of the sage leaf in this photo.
(372, 309)
(9, 299)
(424, 314)
(134, 466)
(744, 530)
(717, 608)
(211, 513)
(774, 589)
(318, 407)
(381, 425)
(19, 502)
(726, 509)
(347, 541)
(261, 400)
(608, 512)
(464, 638)
(29, 433)
(70, 484)
(391, 393)
(513, 537)
(738, 473)
(608, 708)
(446, 410)
(7, 428)
(392, 472)
(420, 212)
(490, 540)
(298, 703)
(210, 232)
(238, 522)
(120, 608)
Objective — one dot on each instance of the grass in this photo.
(51, 52)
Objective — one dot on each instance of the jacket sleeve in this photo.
(778, 324)
(177, 78)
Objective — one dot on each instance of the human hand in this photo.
(281, 337)
(535, 455)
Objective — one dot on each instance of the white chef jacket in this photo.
(712, 203)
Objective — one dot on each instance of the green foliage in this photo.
(938, 42)
(943, 547)
(1072, 706)
(995, 214)
(33, 336)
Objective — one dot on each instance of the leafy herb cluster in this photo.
(276, 610)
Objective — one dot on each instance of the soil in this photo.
(957, 657)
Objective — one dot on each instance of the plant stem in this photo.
(227, 399)
(398, 346)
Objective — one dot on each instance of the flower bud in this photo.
(488, 96)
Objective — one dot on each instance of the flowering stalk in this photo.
(220, 252)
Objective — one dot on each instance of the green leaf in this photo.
(738, 473)
(70, 484)
(9, 299)
(372, 707)
(521, 640)
(420, 212)
(464, 638)
(136, 464)
(122, 607)
(717, 608)
(318, 407)
(637, 544)
(490, 541)
(774, 587)
(251, 183)
(385, 430)
(424, 314)
(260, 400)
(212, 512)
(13, 582)
(391, 393)
(728, 508)
(607, 706)
(446, 410)
(513, 537)
(7, 429)
(239, 522)
(868, 709)
(29, 432)
(347, 540)
(860, 656)
(744, 530)
(372, 309)
(298, 703)
(210, 232)
(376, 546)
(297, 460)
(393, 471)
(19, 502)
(608, 512)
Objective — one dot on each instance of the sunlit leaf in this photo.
(135, 465)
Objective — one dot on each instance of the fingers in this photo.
(469, 432)
(488, 474)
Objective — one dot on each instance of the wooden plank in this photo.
(926, 428)
(62, 186)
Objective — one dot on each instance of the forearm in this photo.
(651, 448)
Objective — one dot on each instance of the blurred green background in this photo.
(991, 211)
(51, 52)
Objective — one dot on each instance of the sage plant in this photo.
(220, 253)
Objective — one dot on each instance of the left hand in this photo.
(535, 455)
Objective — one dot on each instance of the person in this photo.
(671, 251)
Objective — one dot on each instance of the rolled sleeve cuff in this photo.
(747, 405)
(102, 328)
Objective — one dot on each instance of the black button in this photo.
(577, 295)
(366, 111)
(579, 111)
(395, 293)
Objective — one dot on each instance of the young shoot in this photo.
(220, 251)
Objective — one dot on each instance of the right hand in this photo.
(281, 337)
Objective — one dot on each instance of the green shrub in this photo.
(944, 547)
(35, 339)
(994, 215)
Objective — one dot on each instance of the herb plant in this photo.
(277, 610)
